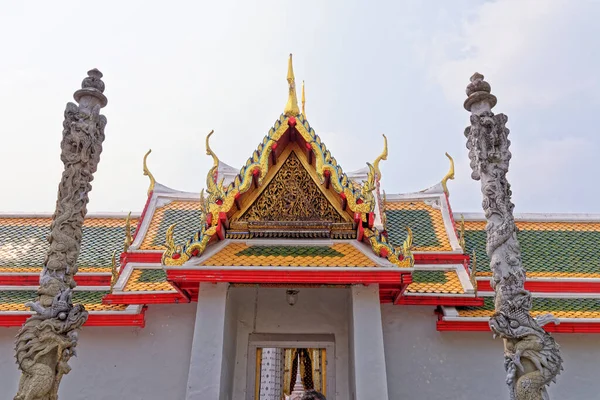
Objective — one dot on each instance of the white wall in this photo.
(424, 364)
(121, 362)
(229, 350)
(317, 311)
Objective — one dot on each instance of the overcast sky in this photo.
(175, 70)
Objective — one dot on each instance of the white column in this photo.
(366, 331)
(206, 363)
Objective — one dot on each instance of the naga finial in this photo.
(114, 271)
(303, 101)
(148, 173)
(291, 108)
(128, 237)
(212, 172)
(473, 277)
(461, 234)
(449, 175)
(407, 246)
(382, 156)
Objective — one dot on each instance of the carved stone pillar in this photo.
(532, 358)
(47, 340)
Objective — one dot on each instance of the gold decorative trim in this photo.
(461, 234)
(114, 271)
(400, 256)
(382, 156)
(149, 174)
(128, 237)
(449, 175)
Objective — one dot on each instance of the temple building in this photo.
(290, 274)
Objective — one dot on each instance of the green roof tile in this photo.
(419, 276)
(26, 246)
(293, 251)
(418, 220)
(153, 275)
(188, 223)
(548, 304)
(545, 250)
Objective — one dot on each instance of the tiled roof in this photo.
(14, 300)
(436, 281)
(23, 243)
(186, 214)
(425, 221)
(559, 307)
(336, 255)
(549, 249)
(142, 280)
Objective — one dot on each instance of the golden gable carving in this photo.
(292, 195)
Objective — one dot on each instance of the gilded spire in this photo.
(291, 108)
(449, 175)
(303, 101)
(149, 174)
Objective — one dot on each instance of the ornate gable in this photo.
(332, 206)
(291, 203)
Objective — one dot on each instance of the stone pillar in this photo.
(208, 366)
(366, 341)
(531, 356)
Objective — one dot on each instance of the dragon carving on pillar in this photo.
(47, 340)
(532, 357)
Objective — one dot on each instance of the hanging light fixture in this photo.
(291, 296)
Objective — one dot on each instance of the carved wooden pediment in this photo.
(292, 204)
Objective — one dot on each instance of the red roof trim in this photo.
(141, 219)
(440, 258)
(440, 301)
(34, 280)
(149, 258)
(483, 326)
(93, 320)
(549, 286)
(287, 276)
(162, 298)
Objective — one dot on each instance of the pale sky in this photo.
(175, 70)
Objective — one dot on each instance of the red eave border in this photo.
(483, 326)
(273, 276)
(549, 286)
(34, 280)
(161, 298)
(440, 258)
(440, 301)
(138, 320)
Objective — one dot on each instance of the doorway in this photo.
(279, 363)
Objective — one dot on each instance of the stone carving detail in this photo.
(532, 357)
(47, 340)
